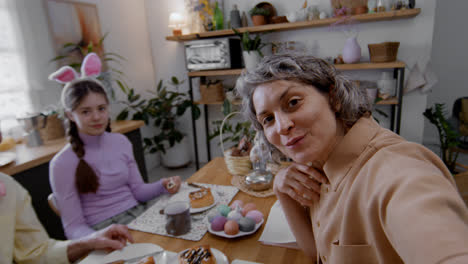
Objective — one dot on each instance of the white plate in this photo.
(219, 256)
(202, 209)
(7, 158)
(128, 252)
(241, 233)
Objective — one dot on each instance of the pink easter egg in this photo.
(255, 215)
(231, 227)
(218, 223)
(248, 207)
(236, 203)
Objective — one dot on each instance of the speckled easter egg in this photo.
(236, 203)
(223, 210)
(212, 215)
(218, 223)
(234, 215)
(246, 224)
(255, 215)
(231, 227)
(248, 207)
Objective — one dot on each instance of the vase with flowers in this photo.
(352, 49)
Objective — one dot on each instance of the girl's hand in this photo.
(300, 182)
(172, 184)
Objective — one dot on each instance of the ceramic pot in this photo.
(178, 156)
(351, 51)
(360, 10)
(251, 59)
(259, 20)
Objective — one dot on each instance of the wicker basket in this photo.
(53, 128)
(236, 165)
(212, 92)
(383, 52)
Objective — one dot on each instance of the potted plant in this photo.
(251, 49)
(259, 15)
(447, 135)
(162, 109)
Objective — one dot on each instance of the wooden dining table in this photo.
(243, 248)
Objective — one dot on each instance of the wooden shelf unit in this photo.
(382, 16)
(343, 67)
(389, 101)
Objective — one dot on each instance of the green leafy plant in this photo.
(72, 54)
(447, 134)
(162, 108)
(250, 44)
(232, 132)
(256, 11)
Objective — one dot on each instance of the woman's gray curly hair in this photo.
(346, 99)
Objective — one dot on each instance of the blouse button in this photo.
(318, 223)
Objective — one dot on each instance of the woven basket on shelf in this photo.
(383, 52)
(212, 92)
(236, 165)
(53, 128)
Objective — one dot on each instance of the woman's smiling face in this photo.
(297, 119)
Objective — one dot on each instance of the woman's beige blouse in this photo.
(388, 201)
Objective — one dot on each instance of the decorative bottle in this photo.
(235, 18)
(218, 17)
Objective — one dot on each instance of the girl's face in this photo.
(298, 120)
(92, 114)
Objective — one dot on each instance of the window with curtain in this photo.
(14, 96)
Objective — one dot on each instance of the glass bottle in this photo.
(218, 17)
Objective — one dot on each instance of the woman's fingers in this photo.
(312, 173)
(300, 182)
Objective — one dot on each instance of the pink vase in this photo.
(351, 51)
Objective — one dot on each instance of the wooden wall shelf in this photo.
(390, 15)
(343, 67)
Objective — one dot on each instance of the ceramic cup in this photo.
(178, 221)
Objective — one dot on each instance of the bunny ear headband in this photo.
(91, 67)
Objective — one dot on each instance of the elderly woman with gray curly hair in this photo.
(355, 192)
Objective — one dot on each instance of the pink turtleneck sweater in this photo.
(121, 185)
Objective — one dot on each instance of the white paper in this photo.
(128, 252)
(277, 231)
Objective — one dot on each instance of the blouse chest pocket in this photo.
(350, 254)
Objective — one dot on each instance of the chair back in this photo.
(53, 204)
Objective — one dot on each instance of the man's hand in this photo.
(111, 238)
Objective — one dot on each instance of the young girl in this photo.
(95, 178)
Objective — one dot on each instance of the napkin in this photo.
(277, 231)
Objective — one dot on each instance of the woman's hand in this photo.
(300, 182)
(172, 184)
(111, 238)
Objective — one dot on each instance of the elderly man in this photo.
(24, 240)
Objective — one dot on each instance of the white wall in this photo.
(415, 36)
(449, 58)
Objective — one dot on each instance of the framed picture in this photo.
(74, 27)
